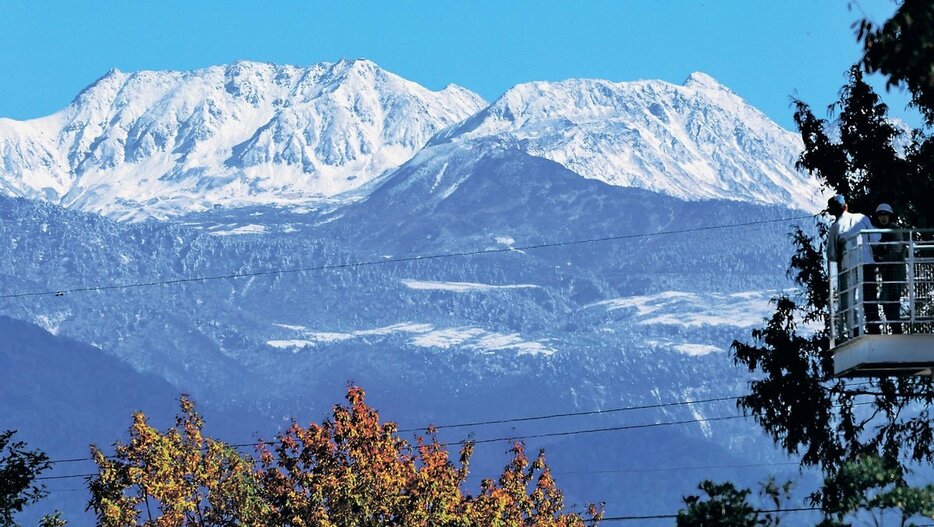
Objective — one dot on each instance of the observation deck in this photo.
(882, 304)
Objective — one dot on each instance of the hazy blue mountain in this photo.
(62, 395)
(521, 333)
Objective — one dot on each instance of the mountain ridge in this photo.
(698, 140)
(163, 144)
(231, 135)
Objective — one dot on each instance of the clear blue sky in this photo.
(765, 50)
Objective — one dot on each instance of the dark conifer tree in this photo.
(902, 49)
(19, 468)
(869, 159)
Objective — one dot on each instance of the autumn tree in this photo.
(353, 470)
(175, 478)
(350, 470)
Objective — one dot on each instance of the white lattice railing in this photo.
(891, 291)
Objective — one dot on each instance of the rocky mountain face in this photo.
(695, 141)
(164, 144)
(160, 143)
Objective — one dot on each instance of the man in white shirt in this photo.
(856, 269)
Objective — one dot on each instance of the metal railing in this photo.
(884, 284)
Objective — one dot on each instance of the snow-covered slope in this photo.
(695, 141)
(164, 144)
(160, 143)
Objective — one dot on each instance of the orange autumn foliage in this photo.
(173, 479)
(350, 470)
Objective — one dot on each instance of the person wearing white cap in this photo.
(890, 255)
(842, 249)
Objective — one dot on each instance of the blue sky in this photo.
(764, 50)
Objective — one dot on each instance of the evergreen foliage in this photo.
(795, 398)
(725, 505)
(871, 486)
(19, 468)
(902, 48)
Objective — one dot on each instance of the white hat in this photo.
(886, 208)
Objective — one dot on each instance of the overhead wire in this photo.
(593, 472)
(507, 420)
(513, 438)
(496, 440)
(673, 469)
(594, 430)
(574, 414)
(536, 418)
(671, 516)
(385, 261)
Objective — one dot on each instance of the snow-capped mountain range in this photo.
(309, 168)
(160, 144)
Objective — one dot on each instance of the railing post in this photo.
(911, 280)
(833, 299)
(859, 301)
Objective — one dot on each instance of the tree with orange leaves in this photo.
(174, 479)
(354, 470)
(351, 470)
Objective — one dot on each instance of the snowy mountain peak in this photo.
(701, 81)
(165, 143)
(162, 143)
(695, 141)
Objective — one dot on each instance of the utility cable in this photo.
(496, 440)
(601, 471)
(517, 420)
(573, 414)
(674, 469)
(670, 516)
(595, 430)
(366, 263)
(501, 421)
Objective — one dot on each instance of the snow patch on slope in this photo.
(696, 350)
(461, 287)
(243, 229)
(424, 335)
(677, 308)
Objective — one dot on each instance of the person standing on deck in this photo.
(890, 257)
(843, 249)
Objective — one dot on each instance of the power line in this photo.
(69, 476)
(501, 439)
(670, 516)
(608, 429)
(366, 263)
(673, 469)
(502, 421)
(597, 430)
(573, 414)
(556, 473)
(519, 419)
